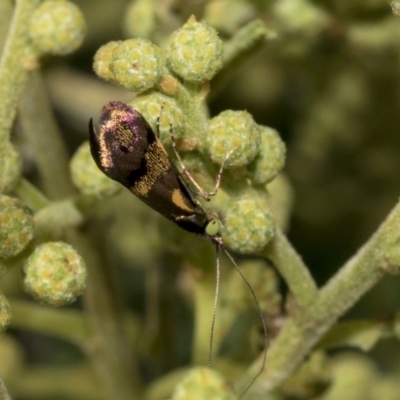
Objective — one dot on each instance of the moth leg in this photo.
(205, 195)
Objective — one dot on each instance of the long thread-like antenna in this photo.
(214, 316)
(266, 341)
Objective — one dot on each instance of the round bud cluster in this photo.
(5, 313)
(134, 64)
(233, 131)
(203, 383)
(270, 158)
(57, 27)
(55, 273)
(103, 59)
(140, 19)
(195, 52)
(395, 4)
(248, 223)
(88, 178)
(12, 167)
(17, 226)
(157, 107)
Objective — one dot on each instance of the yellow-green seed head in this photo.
(156, 105)
(139, 20)
(395, 4)
(229, 15)
(232, 130)
(194, 52)
(103, 59)
(136, 64)
(248, 223)
(16, 226)
(12, 167)
(57, 27)
(5, 313)
(270, 158)
(87, 177)
(203, 383)
(55, 273)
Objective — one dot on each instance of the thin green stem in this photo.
(109, 348)
(32, 196)
(44, 136)
(65, 324)
(17, 59)
(66, 382)
(6, 9)
(3, 392)
(292, 268)
(246, 41)
(204, 292)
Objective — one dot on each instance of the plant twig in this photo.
(303, 329)
(17, 59)
(43, 134)
(293, 270)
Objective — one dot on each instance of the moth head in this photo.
(119, 144)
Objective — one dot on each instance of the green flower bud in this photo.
(17, 226)
(270, 158)
(5, 313)
(300, 17)
(55, 273)
(88, 178)
(248, 223)
(140, 19)
(103, 59)
(229, 15)
(157, 106)
(395, 4)
(137, 64)
(194, 51)
(12, 168)
(169, 85)
(203, 383)
(232, 131)
(57, 27)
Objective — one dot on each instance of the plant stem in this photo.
(17, 58)
(306, 326)
(3, 392)
(238, 50)
(44, 136)
(293, 270)
(31, 195)
(65, 324)
(108, 349)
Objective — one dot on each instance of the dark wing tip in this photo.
(94, 143)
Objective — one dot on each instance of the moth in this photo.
(127, 150)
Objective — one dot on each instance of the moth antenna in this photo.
(214, 316)
(266, 340)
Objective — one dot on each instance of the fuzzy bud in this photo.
(55, 273)
(194, 51)
(57, 27)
